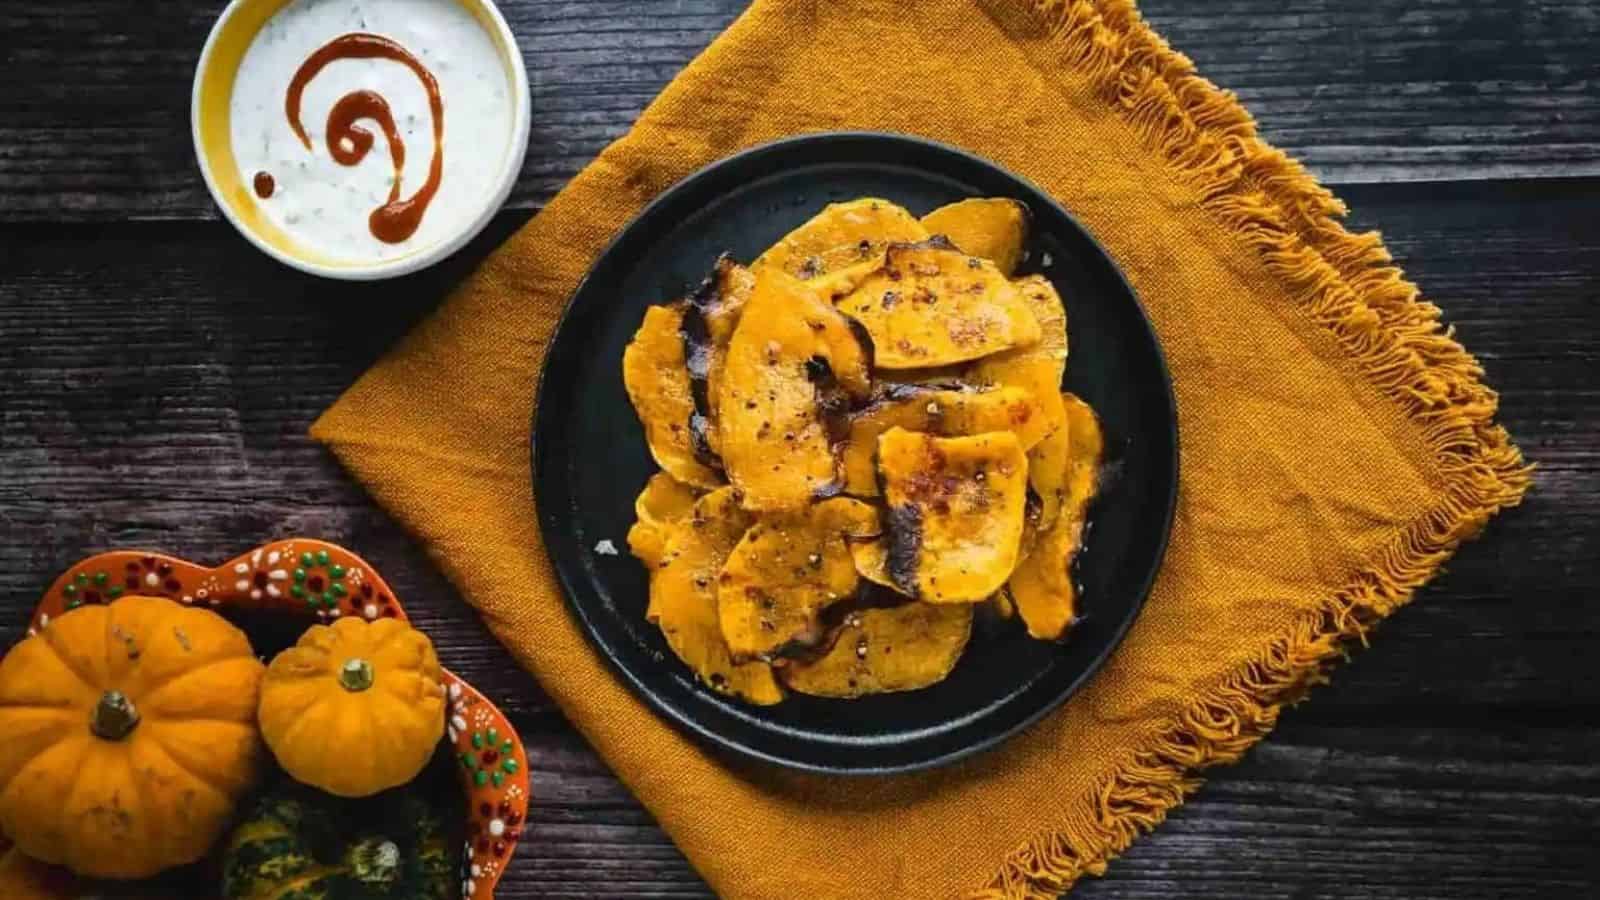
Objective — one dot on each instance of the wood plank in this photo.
(1404, 90)
(1406, 813)
(94, 125)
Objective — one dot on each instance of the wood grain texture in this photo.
(156, 381)
(94, 124)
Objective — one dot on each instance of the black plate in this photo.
(590, 459)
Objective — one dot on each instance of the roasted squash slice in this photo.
(683, 598)
(648, 543)
(709, 318)
(1048, 463)
(1042, 584)
(664, 502)
(1038, 370)
(898, 648)
(793, 367)
(841, 245)
(721, 297)
(932, 305)
(654, 372)
(785, 571)
(956, 512)
(994, 228)
(946, 412)
(872, 561)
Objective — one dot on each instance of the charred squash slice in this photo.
(872, 563)
(784, 572)
(956, 512)
(721, 297)
(794, 366)
(710, 316)
(872, 559)
(943, 411)
(994, 228)
(932, 305)
(1042, 585)
(899, 648)
(664, 502)
(1038, 370)
(841, 245)
(654, 372)
(683, 598)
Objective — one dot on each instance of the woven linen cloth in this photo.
(1337, 444)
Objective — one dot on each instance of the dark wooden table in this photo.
(157, 375)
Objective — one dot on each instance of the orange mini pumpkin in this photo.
(127, 736)
(354, 708)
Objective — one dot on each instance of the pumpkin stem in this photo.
(374, 860)
(356, 675)
(113, 717)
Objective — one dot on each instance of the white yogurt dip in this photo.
(327, 206)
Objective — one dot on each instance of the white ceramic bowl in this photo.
(209, 117)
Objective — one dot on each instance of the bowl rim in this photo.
(506, 179)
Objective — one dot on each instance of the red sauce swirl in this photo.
(348, 143)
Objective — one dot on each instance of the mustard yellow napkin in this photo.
(1337, 444)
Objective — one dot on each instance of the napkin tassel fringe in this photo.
(1349, 284)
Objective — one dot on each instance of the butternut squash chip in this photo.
(793, 368)
(994, 228)
(683, 598)
(1042, 585)
(932, 305)
(664, 502)
(720, 299)
(872, 561)
(947, 412)
(709, 318)
(841, 245)
(898, 648)
(872, 564)
(956, 512)
(654, 373)
(784, 572)
(1038, 370)
(1048, 463)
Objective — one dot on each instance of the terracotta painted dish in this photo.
(274, 593)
